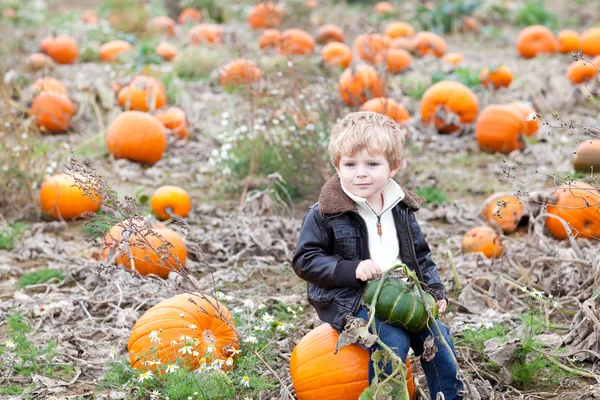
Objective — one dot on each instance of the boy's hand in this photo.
(442, 304)
(366, 269)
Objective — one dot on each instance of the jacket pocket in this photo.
(347, 242)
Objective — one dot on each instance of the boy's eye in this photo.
(373, 164)
(349, 164)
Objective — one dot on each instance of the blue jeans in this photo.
(440, 372)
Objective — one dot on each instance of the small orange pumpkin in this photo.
(429, 43)
(137, 136)
(578, 203)
(469, 24)
(532, 126)
(368, 46)
(581, 71)
(52, 111)
(189, 16)
(205, 33)
(396, 60)
(61, 199)
(445, 101)
(144, 93)
(115, 234)
(46, 43)
(194, 320)
(500, 129)
(587, 156)
(89, 17)
(499, 77)
(162, 24)
(173, 197)
(359, 84)
(590, 42)
(329, 33)
(399, 29)
(166, 50)
(49, 84)
(296, 42)
(482, 239)
(337, 54)
(568, 41)
(110, 51)
(239, 72)
(384, 8)
(63, 50)
(534, 40)
(270, 38)
(453, 59)
(265, 15)
(174, 118)
(388, 107)
(317, 373)
(37, 61)
(505, 211)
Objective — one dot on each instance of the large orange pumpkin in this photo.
(532, 126)
(173, 197)
(60, 199)
(162, 24)
(368, 46)
(52, 111)
(109, 51)
(590, 42)
(189, 16)
(498, 77)
(396, 60)
(337, 54)
(144, 93)
(318, 374)
(329, 33)
(63, 49)
(535, 40)
(446, 101)
(399, 29)
(205, 33)
(509, 207)
(265, 15)
(194, 320)
(581, 71)
(270, 38)
(388, 107)
(587, 156)
(568, 41)
(429, 43)
(174, 118)
(359, 84)
(137, 136)
(239, 72)
(500, 128)
(482, 239)
(578, 203)
(115, 233)
(296, 42)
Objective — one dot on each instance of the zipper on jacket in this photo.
(365, 237)
(379, 227)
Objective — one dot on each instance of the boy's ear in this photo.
(395, 168)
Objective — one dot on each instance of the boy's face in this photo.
(365, 175)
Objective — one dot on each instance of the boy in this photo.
(362, 225)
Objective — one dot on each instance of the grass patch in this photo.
(11, 233)
(41, 276)
(433, 194)
(12, 390)
(476, 339)
(195, 63)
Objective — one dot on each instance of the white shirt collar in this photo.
(392, 195)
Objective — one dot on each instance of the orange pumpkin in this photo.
(399, 29)
(578, 203)
(388, 107)
(205, 33)
(265, 15)
(368, 46)
(581, 71)
(525, 109)
(89, 17)
(137, 136)
(162, 24)
(499, 77)
(587, 156)
(60, 199)
(52, 111)
(239, 72)
(173, 197)
(535, 40)
(155, 251)
(505, 211)
(270, 38)
(174, 119)
(115, 234)
(384, 8)
(46, 43)
(63, 50)
(319, 374)
(500, 128)
(49, 84)
(337, 54)
(296, 42)
(359, 84)
(310, 4)
(329, 33)
(37, 61)
(469, 24)
(429, 43)
(568, 41)
(144, 93)
(402, 43)
(396, 60)
(444, 102)
(482, 239)
(189, 16)
(166, 50)
(590, 42)
(453, 59)
(110, 51)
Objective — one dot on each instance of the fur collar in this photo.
(333, 200)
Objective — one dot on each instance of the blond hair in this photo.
(367, 130)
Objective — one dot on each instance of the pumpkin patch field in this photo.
(157, 159)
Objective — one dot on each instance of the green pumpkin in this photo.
(400, 304)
